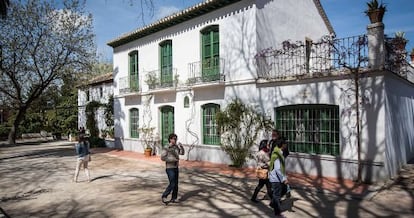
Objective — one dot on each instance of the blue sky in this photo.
(113, 18)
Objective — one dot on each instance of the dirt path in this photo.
(36, 182)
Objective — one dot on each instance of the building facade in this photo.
(99, 89)
(175, 74)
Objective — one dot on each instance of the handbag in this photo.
(261, 173)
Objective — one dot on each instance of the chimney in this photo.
(376, 45)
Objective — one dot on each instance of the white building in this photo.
(99, 89)
(174, 74)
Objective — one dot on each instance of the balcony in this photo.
(129, 85)
(311, 59)
(163, 79)
(206, 72)
(328, 57)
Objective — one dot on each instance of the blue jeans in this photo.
(172, 174)
(276, 195)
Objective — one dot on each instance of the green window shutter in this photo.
(166, 63)
(312, 128)
(167, 123)
(134, 122)
(133, 71)
(210, 54)
(211, 135)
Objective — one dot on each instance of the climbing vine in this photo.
(109, 116)
(91, 123)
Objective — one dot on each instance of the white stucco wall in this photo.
(244, 30)
(281, 20)
(399, 132)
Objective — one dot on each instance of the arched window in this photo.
(310, 128)
(186, 102)
(210, 53)
(211, 133)
(133, 71)
(134, 122)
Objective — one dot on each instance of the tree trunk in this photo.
(15, 127)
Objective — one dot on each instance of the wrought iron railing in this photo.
(129, 84)
(210, 70)
(312, 58)
(165, 77)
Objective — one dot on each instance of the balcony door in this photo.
(133, 71)
(210, 54)
(166, 63)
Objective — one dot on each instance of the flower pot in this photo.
(148, 152)
(399, 44)
(376, 15)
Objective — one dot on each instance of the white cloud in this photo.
(164, 11)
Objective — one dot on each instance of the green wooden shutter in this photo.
(133, 71)
(166, 64)
(167, 123)
(134, 122)
(210, 54)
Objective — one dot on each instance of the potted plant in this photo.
(147, 135)
(399, 41)
(375, 11)
(151, 80)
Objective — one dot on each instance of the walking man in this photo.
(171, 157)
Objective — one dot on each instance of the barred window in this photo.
(211, 134)
(312, 129)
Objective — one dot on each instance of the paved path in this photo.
(35, 182)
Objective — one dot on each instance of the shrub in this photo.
(97, 142)
(240, 125)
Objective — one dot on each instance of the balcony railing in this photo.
(162, 78)
(210, 70)
(129, 84)
(312, 58)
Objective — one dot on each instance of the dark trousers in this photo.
(172, 174)
(276, 195)
(263, 182)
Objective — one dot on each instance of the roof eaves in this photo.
(174, 19)
(101, 79)
(324, 16)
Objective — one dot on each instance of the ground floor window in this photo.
(310, 128)
(133, 122)
(211, 134)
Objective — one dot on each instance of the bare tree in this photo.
(40, 45)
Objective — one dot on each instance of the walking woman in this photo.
(82, 150)
(263, 159)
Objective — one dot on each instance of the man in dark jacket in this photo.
(279, 141)
(171, 157)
